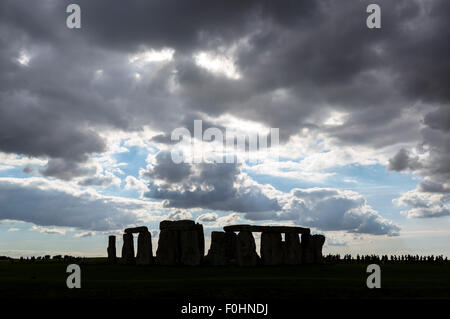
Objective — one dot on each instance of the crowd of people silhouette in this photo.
(385, 259)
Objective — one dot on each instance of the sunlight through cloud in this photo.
(217, 64)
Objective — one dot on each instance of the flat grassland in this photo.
(341, 281)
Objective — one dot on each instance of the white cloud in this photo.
(207, 218)
(49, 230)
(44, 203)
(230, 219)
(329, 210)
(84, 234)
(336, 119)
(10, 161)
(424, 204)
(152, 55)
(217, 64)
(23, 58)
(132, 182)
(179, 214)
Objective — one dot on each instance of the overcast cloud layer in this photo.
(39, 202)
(309, 68)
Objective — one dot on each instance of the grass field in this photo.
(48, 280)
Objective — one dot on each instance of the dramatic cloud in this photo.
(224, 187)
(310, 68)
(330, 210)
(212, 186)
(402, 161)
(439, 119)
(66, 170)
(288, 65)
(43, 203)
(428, 186)
(430, 199)
(165, 169)
(337, 210)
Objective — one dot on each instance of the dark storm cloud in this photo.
(430, 186)
(439, 119)
(429, 81)
(163, 139)
(319, 52)
(299, 62)
(435, 165)
(165, 169)
(403, 161)
(28, 169)
(40, 203)
(223, 187)
(30, 128)
(66, 169)
(430, 199)
(212, 186)
(324, 57)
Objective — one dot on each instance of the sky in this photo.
(87, 118)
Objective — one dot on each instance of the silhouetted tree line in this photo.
(385, 259)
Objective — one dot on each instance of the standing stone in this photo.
(217, 251)
(190, 248)
(168, 250)
(180, 242)
(128, 249)
(246, 249)
(317, 244)
(307, 249)
(144, 250)
(223, 248)
(200, 239)
(112, 249)
(275, 229)
(271, 248)
(230, 247)
(293, 249)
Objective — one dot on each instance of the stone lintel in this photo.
(269, 229)
(139, 229)
(184, 224)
